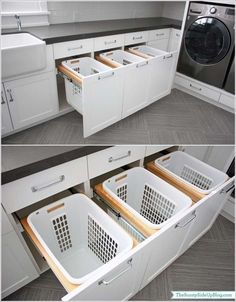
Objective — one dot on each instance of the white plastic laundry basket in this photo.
(121, 57)
(147, 51)
(191, 171)
(149, 198)
(79, 236)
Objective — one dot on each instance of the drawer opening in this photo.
(78, 237)
(147, 198)
(147, 51)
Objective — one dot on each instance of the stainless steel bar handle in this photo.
(74, 48)
(223, 191)
(53, 182)
(198, 88)
(177, 35)
(109, 42)
(162, 34)
(142, 64)
(106, 76)
(137, 38)
(117, 276)
(178, 225)
(10, 95)
(168, 57)
(3, 101)
(111, 159)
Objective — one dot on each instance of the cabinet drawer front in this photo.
(227, 100)
(136, 37)
(72, 48)
(197, 88)
(159, 34)
(5, 223)
(30, 189)
(108, 42)
(112, 158)
(175, 33)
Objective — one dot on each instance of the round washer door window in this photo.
(207, 40)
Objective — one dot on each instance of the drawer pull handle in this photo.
(137, 38)
(106, 76)
(168, 57)
(177, 35)
(160, 34)
(10, 95)
(223, 191)
(178, 225)
(111, 159)
(142, 64)
(117, 276)
(109, 42)
(53, 182)
(194, 87)
(3, 101)
(74, 48)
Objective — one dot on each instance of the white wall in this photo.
(71, 11)
(174, 10)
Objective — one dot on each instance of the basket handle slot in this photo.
(129, 262)
(120, 178)
(61, 205)
(166, 158)
(69, 75)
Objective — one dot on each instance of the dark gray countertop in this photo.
(21, 161)
(82, 30)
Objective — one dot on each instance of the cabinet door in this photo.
(135, 88)
(121, 283)
(159, 44)
(32, 99)
(102, 97)
(207, 211)
(17, 268)
(165, 248)
(6, 118)
(162, 71)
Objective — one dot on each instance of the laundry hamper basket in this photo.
(79, 236)
(146, 51)
(147, 197)
(191, 171)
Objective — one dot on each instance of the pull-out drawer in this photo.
(197, 87)
(113, 158)
(72, 48)
(108, 42)
(159, 34)
(30, 189)
(136, 37)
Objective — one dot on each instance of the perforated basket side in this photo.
(100, 242)
(155, 207)
(196, 178)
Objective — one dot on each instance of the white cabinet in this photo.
(161, 76)
(17, 268)
(207, 211)
(174, 39)
(227, 99)
(165, 248)
(6, 118)
(32, 99)
(136, 37)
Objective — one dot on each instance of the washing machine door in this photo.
(207, 40)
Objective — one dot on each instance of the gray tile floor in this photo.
(175, 119)
(207, 265)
